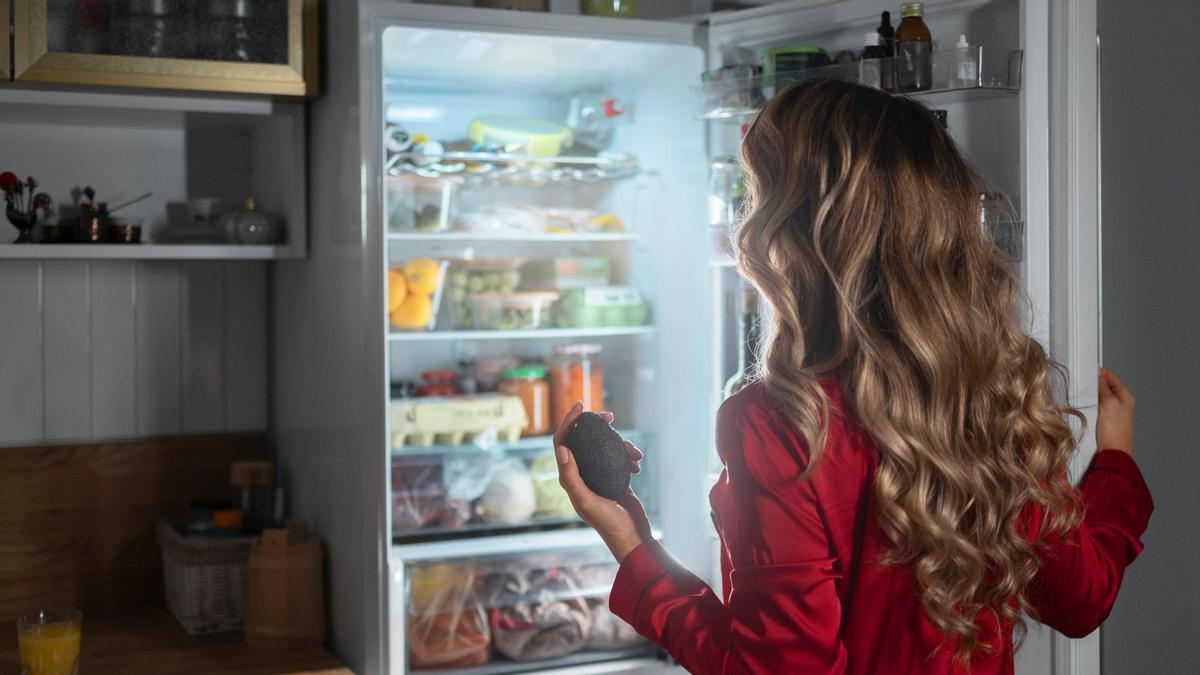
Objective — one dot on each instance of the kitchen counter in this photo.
(151, 641)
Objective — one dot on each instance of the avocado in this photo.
(600, 453)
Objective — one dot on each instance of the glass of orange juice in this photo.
(49, 642)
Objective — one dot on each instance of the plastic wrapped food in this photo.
(537, 614)
(509, 498)
(447, 624)
(608, 631)
(552, 500)
(420, 498)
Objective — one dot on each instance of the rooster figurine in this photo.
(21, 204)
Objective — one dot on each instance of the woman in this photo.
(895, 491)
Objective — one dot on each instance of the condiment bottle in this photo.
(529, 384)
(914, 49)
(875, 68)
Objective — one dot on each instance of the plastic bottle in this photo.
(966, 68)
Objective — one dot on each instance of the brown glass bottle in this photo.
(914, 49)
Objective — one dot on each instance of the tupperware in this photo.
(512, 311)
(480, 275)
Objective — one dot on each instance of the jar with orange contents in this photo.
(529, 384)
(576, 374)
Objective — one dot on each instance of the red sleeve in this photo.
(1081, 573)
(783, 614)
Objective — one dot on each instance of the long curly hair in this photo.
(862, 233)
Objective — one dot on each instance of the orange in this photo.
(397, 289)
(413, 313)
(423, 275)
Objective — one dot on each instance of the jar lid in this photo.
(800, 49)
(524, 373)
(440, 375)
(582, 349)
(908, 9)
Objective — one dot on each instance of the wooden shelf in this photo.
(79, 97)
(149, 640)
(145, 252)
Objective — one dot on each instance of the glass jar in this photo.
(576, 374)
(250, 226)
(438, 383)
(487, 371)
(725, 191)
(529, 383)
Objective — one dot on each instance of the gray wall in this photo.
(1150, 107)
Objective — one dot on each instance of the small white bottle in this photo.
(870, 67)
(966, 68)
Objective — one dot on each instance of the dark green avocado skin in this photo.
(600, 453)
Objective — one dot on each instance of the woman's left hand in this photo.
(622, 524)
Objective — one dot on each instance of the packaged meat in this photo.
(447, 623)
(420, 498)
(537, 614)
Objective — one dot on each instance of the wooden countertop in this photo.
(151, 641)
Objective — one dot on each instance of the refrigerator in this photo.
(446, 255)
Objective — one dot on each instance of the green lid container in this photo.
(524, 373)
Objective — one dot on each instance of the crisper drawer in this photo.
(461, 491)
(515, 613)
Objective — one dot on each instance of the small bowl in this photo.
(122, 233)
(60, 233)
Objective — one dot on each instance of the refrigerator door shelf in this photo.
(971, 69)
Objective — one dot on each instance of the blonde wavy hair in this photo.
(862, 234)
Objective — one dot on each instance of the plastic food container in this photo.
(414, 294)
(438, 383)
(530, 385)
(421, 205)
(602, 307)
(481, 275)
(576, 374)
(521, 135)
(512, 311)
(564, 274)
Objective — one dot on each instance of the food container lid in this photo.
(439, 375)
(488, 264)
(579, 349)
(525, 373)
(515, 300)
(783, 51)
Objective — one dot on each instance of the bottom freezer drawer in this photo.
(515, 613)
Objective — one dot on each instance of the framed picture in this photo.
(241, 46)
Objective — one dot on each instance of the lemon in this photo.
(414, 312)
(397, 289)
(422, 275)
(608, 222)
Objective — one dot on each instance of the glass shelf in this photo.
(998, 69)
(543, 334)
(489, 168)
(474, 237)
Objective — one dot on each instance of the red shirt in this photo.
(803, 591)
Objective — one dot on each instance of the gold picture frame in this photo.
(5, 65)
(33, 62)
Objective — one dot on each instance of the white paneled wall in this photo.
(93, 350)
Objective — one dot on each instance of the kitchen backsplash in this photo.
(94, 350)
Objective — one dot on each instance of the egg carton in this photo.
(426, 422)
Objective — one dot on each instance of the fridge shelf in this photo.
(996, 69)
(521, 542)
(490, 168)
(586, 662)
(473, 237)
(524, 446)
(542, 334)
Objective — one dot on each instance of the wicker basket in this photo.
(204, 580)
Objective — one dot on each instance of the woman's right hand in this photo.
(1114, 424)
